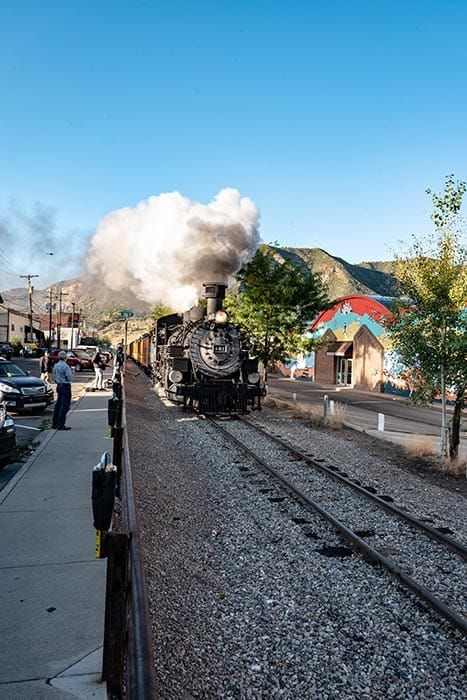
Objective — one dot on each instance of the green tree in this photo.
(160, 310)
(429, 329)
(274, 300)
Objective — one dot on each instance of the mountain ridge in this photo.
(101, 305)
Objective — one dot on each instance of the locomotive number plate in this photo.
(220, 348)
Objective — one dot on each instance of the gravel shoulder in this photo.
(245, 604)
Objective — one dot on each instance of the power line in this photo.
(7, 261)
(12, 274)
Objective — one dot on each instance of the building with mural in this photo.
(355, 350)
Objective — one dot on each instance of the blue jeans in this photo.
(62, 405)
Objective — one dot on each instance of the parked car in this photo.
(6, 350)
(19, 391)
(90, 349)
(7, 436)
(78, 359)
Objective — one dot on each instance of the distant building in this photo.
(356, 351)
(65, 326)
(357, 341)
(16, 324)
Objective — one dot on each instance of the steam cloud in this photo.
(167, 246)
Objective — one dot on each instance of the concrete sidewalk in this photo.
(52, 589)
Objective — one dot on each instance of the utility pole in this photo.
(73, 304)
(60, 295)
(80, 325)
(30, 291)
(51, 291)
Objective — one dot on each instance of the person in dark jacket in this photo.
(45, 366)
(98, 362)
(120, 357)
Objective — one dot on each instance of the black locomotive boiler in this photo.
(201, 359)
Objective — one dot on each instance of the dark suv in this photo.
(7, 436)
(6, 351)
(19, 391)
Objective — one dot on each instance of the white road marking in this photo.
(27, 427)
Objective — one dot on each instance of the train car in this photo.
(201, 360)
(140, 351)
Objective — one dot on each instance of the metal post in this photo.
(73, 304)
(59, 325)
(325, 408)
(113, 657)
(50, 317)
(61, 294)
(125, 344)
(118, 444)
(444, 428)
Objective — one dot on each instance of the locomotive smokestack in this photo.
(215, 294)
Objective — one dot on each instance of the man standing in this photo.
(62, 378)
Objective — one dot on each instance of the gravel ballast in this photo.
(252, 596)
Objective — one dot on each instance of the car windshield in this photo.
(8, 369)
(82, 354)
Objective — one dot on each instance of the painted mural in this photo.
(350, 313)
(344, 320)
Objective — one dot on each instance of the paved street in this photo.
(362, 408)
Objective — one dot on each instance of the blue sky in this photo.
(334, 117)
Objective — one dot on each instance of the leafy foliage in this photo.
(274, 301)
(429, 329)
(160, 310)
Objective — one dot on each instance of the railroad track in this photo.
(408, 548)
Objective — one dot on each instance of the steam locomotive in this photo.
(201, 360)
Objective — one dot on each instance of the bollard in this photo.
(332, 407)
(103, 495)
(325, 400)
(112, 411)
(294, 396)
(381, 422)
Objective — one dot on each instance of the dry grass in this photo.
(336, 420)
(307, 412)
(424, 446)
(457, 467)
(420, 446)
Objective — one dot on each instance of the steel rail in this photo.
(142, 679)
(433, 601)
(428, 530)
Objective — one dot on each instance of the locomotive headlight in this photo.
(175, 376)
(253, 378)
(221, 317)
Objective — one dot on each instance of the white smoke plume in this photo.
(167, 246)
